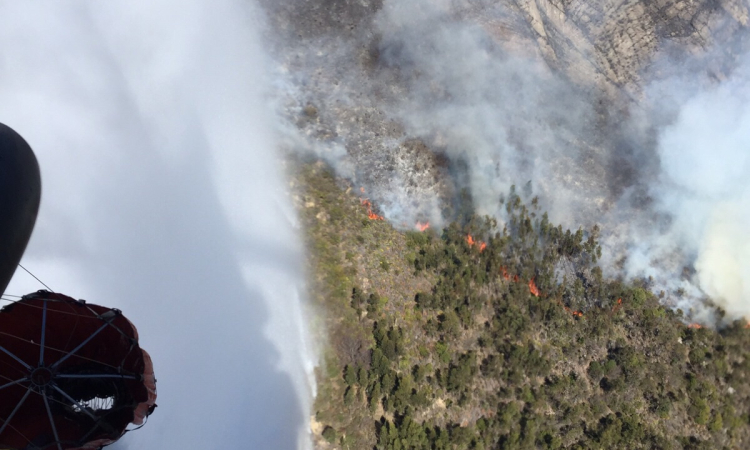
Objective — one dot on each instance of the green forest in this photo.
(482, 336)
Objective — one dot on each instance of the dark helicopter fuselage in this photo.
(20, 192)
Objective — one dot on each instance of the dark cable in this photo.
(35, 277)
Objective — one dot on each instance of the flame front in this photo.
(533, 289)
(366, 203)
(422, 226)
(505, 273)
(481, 244)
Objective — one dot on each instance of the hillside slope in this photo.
(367, 79)
(476, 337)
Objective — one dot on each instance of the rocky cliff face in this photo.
(614, 42)
(603, 41)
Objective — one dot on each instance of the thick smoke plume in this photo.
(704, 186)
(507, 118)
(661, 166)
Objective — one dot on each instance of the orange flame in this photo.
(481, 244)
(695, 326)
(618, 305)
(505, 273)
(568, 310)
(422, 226)
(516, 279)
(533, 289)
(366, 203)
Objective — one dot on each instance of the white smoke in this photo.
(704, 185)
(416, 73)
(163, 196)
(665, 174)
(508, 118)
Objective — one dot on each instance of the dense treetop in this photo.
(486, 337)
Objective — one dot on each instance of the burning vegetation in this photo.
(445, 345)
(533, 289)
(368, 206)
(371, 215)
(481, 245)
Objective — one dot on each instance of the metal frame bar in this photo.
(125, 335)
(7, 352)
(103, 375)
(72, 352)
(15, 410)
(80, 406)
(52, 422)
(44, 329)
(13, 383)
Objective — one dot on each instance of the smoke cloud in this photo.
(162, 196)
(659, 164)
(507, 118)
(704, 186)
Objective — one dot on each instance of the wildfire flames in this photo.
(470, 240)
(570, 311)
(533, 289)
(422, 226)
(366, 203)
(505, 273)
